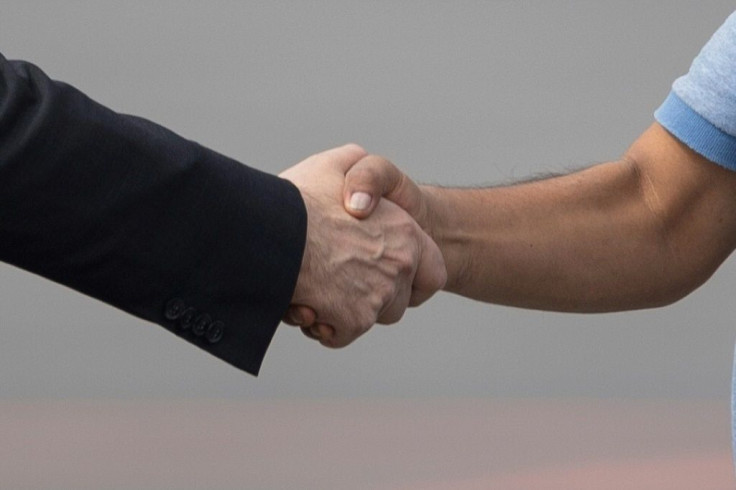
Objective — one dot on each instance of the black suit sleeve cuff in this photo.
(126, 211)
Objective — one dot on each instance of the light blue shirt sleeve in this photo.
(701, 108)
(701, 112)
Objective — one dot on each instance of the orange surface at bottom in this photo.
(701, 472)
(366, 444)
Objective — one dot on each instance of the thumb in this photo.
(373, 177)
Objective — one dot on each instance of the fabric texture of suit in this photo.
(127, 212)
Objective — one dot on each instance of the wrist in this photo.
(444, 225)
(303, 285)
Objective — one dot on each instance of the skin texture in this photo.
(355, 273)
(640, 232)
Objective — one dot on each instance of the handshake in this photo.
(365, 259)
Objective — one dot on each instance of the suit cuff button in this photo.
(174, 309)
(186, 319)
(215, 332)
(201, 324)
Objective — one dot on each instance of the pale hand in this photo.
(356, 272)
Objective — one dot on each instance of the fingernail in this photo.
(296, 316)
(326, 331)
(360, 201)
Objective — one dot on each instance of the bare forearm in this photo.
(574, 243)
(620, 235)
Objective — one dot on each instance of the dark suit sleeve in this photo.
(127, 212)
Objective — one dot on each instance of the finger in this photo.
(326, 332)
(300, 316)
(343, 157)
(340, 159)
(327, 335)
(395, 310)
(323, 333)
(374, 177)
(308, 332)
(314, 330)
(340, 339)
(366, 182)
(344, 336)
(431, 274)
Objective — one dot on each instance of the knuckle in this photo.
(406, 265)
(333, 343)
(364, 328)
(365, 318)
(404, 262)
(357, 179)
(441, 279)
(365, 321)
(355, 147)
(386, 293)
(390, 318)
(363, 176)
(378, 161)
(418, 301)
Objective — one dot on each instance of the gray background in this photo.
(453, 92)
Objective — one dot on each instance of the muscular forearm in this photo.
(576, 243)
(635, 233)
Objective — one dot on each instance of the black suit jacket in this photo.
(128, 212)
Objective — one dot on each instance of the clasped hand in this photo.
(356, 272)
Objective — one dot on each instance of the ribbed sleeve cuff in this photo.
(697, 132)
